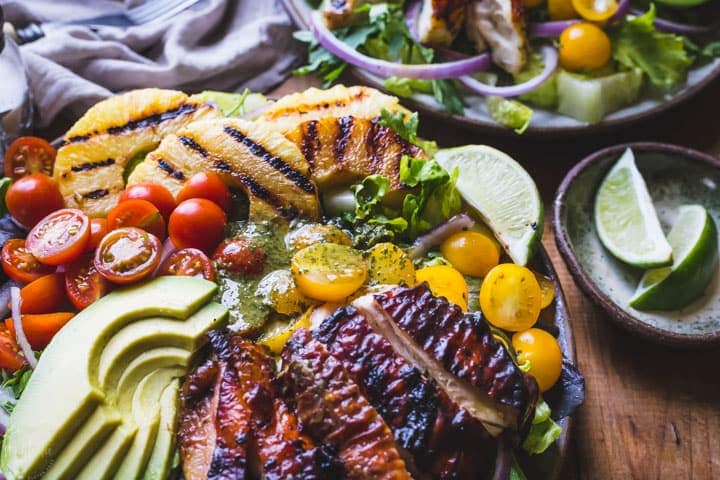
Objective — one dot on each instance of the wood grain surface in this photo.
(650, 412)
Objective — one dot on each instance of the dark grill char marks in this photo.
(197, 430)
(300, 180)
(260, 192)
(310, 144)
(443, 440)
(145, 122)
(345, 125)
(165, 167)
(331, 409)
(193, 145)
(95, 194)
(463, 345)
(92, 165)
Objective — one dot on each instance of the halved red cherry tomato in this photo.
(10, 358)
(137, 213)
(127, 255)
(197, 223)
(19, 264)
(59, 238)
(41, 328)
(83, 283)
(209, 186)
(28, 155)
(98, 229)
(189, 262)
(153, 193)
(33, 197)
(44, 295)
(240, 255)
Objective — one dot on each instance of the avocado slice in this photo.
(70, 365)
(146, 415)
(162, 455)
(105, 462)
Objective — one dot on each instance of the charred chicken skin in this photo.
(332, 409)
(436, 436)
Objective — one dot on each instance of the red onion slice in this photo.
(434, 71)
(550, 59)
(436, 236)
(168, 249)
(680, 28)
(16, 303)
(549, 29)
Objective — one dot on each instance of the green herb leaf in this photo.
(516, 472)
(448, 94)
(661, 56)
(406, 126)
(5, 183)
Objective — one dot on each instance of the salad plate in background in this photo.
(631, 88)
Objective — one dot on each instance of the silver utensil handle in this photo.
(29, 34)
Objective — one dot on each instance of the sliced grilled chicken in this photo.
(458, 351)
(341, 13)
(332, 410)
(436, 436)
(260, 161)
(197, 432)
(339, 101)
(90, 166)
(440, 21)
(499, 24)
(341, 150)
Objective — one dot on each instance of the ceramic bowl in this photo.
(675, 176)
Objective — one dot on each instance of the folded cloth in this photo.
(216, 44)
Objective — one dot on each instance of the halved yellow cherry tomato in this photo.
(510, 297)
(543, 352)
(311, 233)
(584, 46)
(389, 265)
(561, 10)
(472, 253)
(445, 281)
(595, 10)
(547, 290)
(279, 332)
(328, 271)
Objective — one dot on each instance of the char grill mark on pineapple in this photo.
(345, 125)
(193, 145)
(300, 180)
(332, 410)
(172, 172)
(437, 436)
(260, 192)
(95, 194)
(464, 346)
(91, 165)
(310, 144)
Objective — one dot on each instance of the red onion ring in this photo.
(435, 71)
(168, 248)
(680, 28)
(436, 236)
(16, 303)
(550, 59)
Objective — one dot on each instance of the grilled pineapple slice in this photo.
(341, 150)
(251, 156)
(339, 101)
(90, 165)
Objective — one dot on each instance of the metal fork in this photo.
(150, 11)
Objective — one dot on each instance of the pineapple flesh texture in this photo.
(269, 168)
(341, 150)
(339, 101)
(90, 166)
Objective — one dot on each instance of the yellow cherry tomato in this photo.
(561, 10)
(279, 332)
(547, 290)
(510, 297)
(445, 282)
(328, 271)
(472, 253)
(388, 264)
(584, 46)
(311, 233)
(595, 10)
(543, 352)
(532, 3)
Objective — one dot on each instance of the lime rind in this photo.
(694, 239)
(625, 218)
(502, 192)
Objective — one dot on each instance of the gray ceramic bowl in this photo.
(675, 176)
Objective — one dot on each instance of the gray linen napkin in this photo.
(217, 44)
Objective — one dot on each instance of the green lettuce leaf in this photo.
(661, 56)
(546, 95)
(510, 113)
(407, 126)
(543, 432)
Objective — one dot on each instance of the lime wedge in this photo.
(626, 220)
(502, 192)
(694, 241)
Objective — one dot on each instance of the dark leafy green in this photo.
(407, 126)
